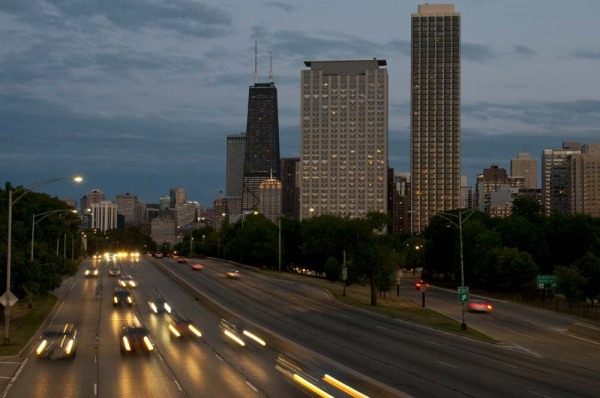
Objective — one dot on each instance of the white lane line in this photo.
(537, 393)
(447, 364)
(5, 377)
(252, 387)
(178, 386)
(519, 348)
(95, 389)
(220, 359)
(581, 338)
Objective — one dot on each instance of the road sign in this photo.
(13, 299)
(463, 294)
(344, 274)
(546, 281)
(398, 276)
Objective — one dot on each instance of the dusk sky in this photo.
(138, 95)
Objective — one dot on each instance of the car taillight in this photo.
(489, 306)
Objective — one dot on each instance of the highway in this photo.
(376, 355)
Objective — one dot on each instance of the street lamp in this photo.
(459, 224)
(44, 215)
(23, 191)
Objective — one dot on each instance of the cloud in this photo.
(523, 50)
(586, 54)
(282, 6)
(476, 52)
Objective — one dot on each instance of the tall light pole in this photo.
(459, 224)
(23, 191)
(44, 215)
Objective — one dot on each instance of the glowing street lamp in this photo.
(22, 192)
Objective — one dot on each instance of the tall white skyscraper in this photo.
(344, 138)
(435, 112)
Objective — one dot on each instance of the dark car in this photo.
(57, 342)
(239, 334)
(91, 272)
(182, 260)
(135, 339)
(122, 295)
(180, 326)
(159, 305)
(114, 271)
(421, 285)
(479, 306)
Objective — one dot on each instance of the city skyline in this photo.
(139, 100)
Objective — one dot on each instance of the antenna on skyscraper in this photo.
(255, 61)
(271, 63)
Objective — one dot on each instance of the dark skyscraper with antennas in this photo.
(262, 139)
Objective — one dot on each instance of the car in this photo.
(91, 272)
(180, 326)
(182, 260)
(122, 295)
(114, 271)
(158, 255)
(479, 306)
(135, 339)
(233, 274)
(239, 334)
(421, 283)
(159, 305)
(97, 256)
(57, 342)
(197, 267)
(127, 281)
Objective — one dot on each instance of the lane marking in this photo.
(178, 386)
(217, 355)
(537, 393)
(447, 364)
(95, 389)
(581, 338)
(523, 349)
(252, 387)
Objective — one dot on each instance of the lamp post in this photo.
(459, 224)
(44, 215)
(23, 191)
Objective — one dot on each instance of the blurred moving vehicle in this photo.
(158, 255)
(127, 281)
(135, 339)
(180, 326)
(159, 305)
(479, 306)
(96, 256)
(57, 342)
(233, 274)
(239, 334)
(182, 260)
(122, 296)
(421, 284)
(114, 271)
(91, 272)
(197, 267)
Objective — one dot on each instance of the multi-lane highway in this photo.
(376, 355)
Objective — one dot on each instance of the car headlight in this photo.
(194, 330)
(153, 308)
(129, 300)
(148, 343)
(126, 343)
(174, 330)
(115, 300)
(70, 345)
(41, 347)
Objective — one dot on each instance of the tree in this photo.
(571, 283)
(332, 269)
(589, 267)
(528, 208)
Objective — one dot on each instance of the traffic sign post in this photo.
(344, 279)
(463, 294)
(546, 281)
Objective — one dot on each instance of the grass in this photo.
(391, 305)
(25, 322)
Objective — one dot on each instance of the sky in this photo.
(138, 96)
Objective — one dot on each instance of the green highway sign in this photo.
(546, 281)
(463, 294)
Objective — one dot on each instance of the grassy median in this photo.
(24, 323)
(393, 306)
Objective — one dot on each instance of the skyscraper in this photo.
(556, 179)
(435, 112)
(290, 188)
(177, 196)
(585, 180)
(525, 166)
(344, 138)
(262, 140)
(270, 199)
(236, 144)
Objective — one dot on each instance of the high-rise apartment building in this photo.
(177, 196)
(344, 138)
(94, 196)
(236, 144)
(525, 166)
(290, 188)
(435, 112)
(270, 199)
(585, 180)
(104, 215)
(556, 179)
(261, 156)
(128, 205)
